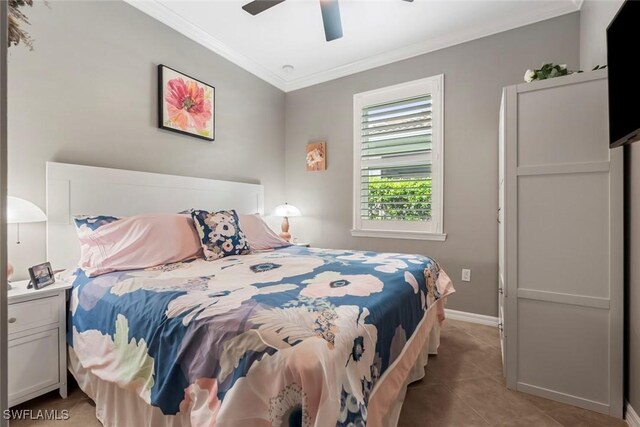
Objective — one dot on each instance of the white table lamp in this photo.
(20, 211)
(285, 211)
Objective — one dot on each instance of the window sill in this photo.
(413, 235)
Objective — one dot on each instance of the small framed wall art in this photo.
(316, 156)
(185, 105)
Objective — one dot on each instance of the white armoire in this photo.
(560, 220)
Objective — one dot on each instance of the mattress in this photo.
(296, 336)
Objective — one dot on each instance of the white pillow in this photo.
(259, 235)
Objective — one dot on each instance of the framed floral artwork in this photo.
(316, 156)
(185, 105)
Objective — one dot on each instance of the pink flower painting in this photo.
(186, 104)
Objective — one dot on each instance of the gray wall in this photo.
(475, 73)
(83, 117)
(87, 95)
(595, 16)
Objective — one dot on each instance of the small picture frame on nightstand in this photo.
(41, 275)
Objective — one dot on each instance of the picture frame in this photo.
(41, 275)
(186, 105)
(316, 156)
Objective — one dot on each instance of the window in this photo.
(398, 161)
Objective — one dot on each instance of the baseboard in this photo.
(470, 317)
(632, 417)
(569, 399)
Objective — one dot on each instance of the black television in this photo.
(624, 87)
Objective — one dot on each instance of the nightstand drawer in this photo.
(33, 314)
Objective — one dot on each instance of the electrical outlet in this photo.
(466, 275)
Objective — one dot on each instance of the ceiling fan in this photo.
(330, 14)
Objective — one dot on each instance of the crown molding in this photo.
(158, 11)
(427, 46)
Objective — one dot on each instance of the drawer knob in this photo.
(12, 320)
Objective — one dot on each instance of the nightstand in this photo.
(302, 243)
(37, 353)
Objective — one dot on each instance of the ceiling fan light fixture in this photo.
(258, 6)
(330, 18)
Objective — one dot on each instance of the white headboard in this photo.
(86, 190)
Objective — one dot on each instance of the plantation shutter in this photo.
(396, 160)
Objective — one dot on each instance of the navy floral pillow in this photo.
(86, 224)
(220, 234)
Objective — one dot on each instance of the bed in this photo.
(293, 336)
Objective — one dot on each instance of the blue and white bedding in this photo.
(295, 336)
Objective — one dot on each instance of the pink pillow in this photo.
(139, 241)
(259, 235)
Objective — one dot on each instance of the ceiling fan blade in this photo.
(258, 6)
(331, 19)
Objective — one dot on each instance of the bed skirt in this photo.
(117, 407)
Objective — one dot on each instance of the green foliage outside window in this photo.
(397, 199)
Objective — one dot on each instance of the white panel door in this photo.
(560, 240)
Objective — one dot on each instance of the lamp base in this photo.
(9, 274)
(285, 236)
(285, 229)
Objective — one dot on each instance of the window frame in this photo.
(420, 230)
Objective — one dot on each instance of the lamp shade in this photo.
(21, 211)
(286, 210)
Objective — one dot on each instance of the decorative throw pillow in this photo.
(220, 234)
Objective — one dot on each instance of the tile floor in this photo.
(463, 387)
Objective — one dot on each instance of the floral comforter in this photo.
(295, 336)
